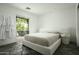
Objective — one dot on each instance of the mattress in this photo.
(44, 39)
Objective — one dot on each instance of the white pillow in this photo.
(48, 31)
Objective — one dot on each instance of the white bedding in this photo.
(44, 39)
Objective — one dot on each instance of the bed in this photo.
(44, 43)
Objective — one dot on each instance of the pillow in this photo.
(49, 31)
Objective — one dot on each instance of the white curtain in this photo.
(5, 27)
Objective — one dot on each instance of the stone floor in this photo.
(18, 49)
(12, 49)
(70, 49)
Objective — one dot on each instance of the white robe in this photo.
(5, 27)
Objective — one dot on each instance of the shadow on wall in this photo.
(72, 32)
(72, 35)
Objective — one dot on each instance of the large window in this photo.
(22, 25)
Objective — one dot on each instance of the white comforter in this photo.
(45, 39)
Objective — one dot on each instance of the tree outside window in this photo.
(22, 25)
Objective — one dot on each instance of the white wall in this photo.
(7, 10)
(59, 20)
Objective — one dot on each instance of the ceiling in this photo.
(41, 8)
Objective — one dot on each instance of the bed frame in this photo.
(43, 49)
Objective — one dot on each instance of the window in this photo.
(22, 25)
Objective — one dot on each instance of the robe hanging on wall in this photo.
(5, 27)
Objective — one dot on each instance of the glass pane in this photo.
(21, 25)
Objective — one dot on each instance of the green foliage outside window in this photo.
(21, 24)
